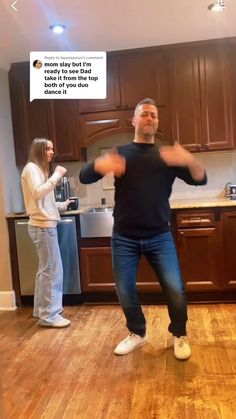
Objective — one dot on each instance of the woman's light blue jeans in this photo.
(49, 278)
(161, 253)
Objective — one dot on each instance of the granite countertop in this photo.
(202, 203)
(24, 215)
(174, 204)
(81, 210)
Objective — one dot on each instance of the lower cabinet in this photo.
(227, 255)
(198, 258)
(205, 241)
(198, 248)
(96, 271)
(206, 247)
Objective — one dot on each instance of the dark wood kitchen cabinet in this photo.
(193, 85)
(96, 271)
(96, 126)
(205, 242)
(202, 95)
(29, 118)
(227, 256)
(54, 119)
(144, 74)
(217, 96)
(62, 129)
(112, 101)
(185, 98)
(137, 78)
(130, 77)
(199, 251)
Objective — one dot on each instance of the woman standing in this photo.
(38, 190)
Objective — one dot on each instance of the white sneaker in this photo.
(129, 344)
(182, 348)
(59, 324)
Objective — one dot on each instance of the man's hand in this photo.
(111, 162)
(177, 155)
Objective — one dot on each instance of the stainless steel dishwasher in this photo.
(28, 259)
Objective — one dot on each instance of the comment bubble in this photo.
(67, 75)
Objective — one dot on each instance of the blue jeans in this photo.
(161, 253)
(49, 278)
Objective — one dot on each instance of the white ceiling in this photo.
(107, 25)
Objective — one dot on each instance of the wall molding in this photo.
(7, 301)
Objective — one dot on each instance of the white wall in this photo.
(10, 195)
(10, 177)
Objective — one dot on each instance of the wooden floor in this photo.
(72, 373)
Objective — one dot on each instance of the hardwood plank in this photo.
(73, 373)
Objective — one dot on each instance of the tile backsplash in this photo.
(220, 167)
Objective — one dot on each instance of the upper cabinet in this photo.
(54, 119)
(29, 118)
(193, 85)
(217, 95)
(142, 75)
(62, 129)
(112, 101)
(185, 97)
(96, 126)
(131, 77)
(202, 99)
(137, 78)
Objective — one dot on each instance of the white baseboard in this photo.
(7, 300)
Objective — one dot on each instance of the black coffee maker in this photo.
(62, 191)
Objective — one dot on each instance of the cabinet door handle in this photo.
(195, 219)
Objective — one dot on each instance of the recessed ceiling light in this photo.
(58, 29)
(218, 6)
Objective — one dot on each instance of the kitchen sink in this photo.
(99, 209)
(96, 222)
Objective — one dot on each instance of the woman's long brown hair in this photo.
(37, 154)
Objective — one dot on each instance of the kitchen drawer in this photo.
(195, 219)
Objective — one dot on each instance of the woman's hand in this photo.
(68, 201)
(60, 170)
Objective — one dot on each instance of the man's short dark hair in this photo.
(146, 101)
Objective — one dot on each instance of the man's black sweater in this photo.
(142, 193)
